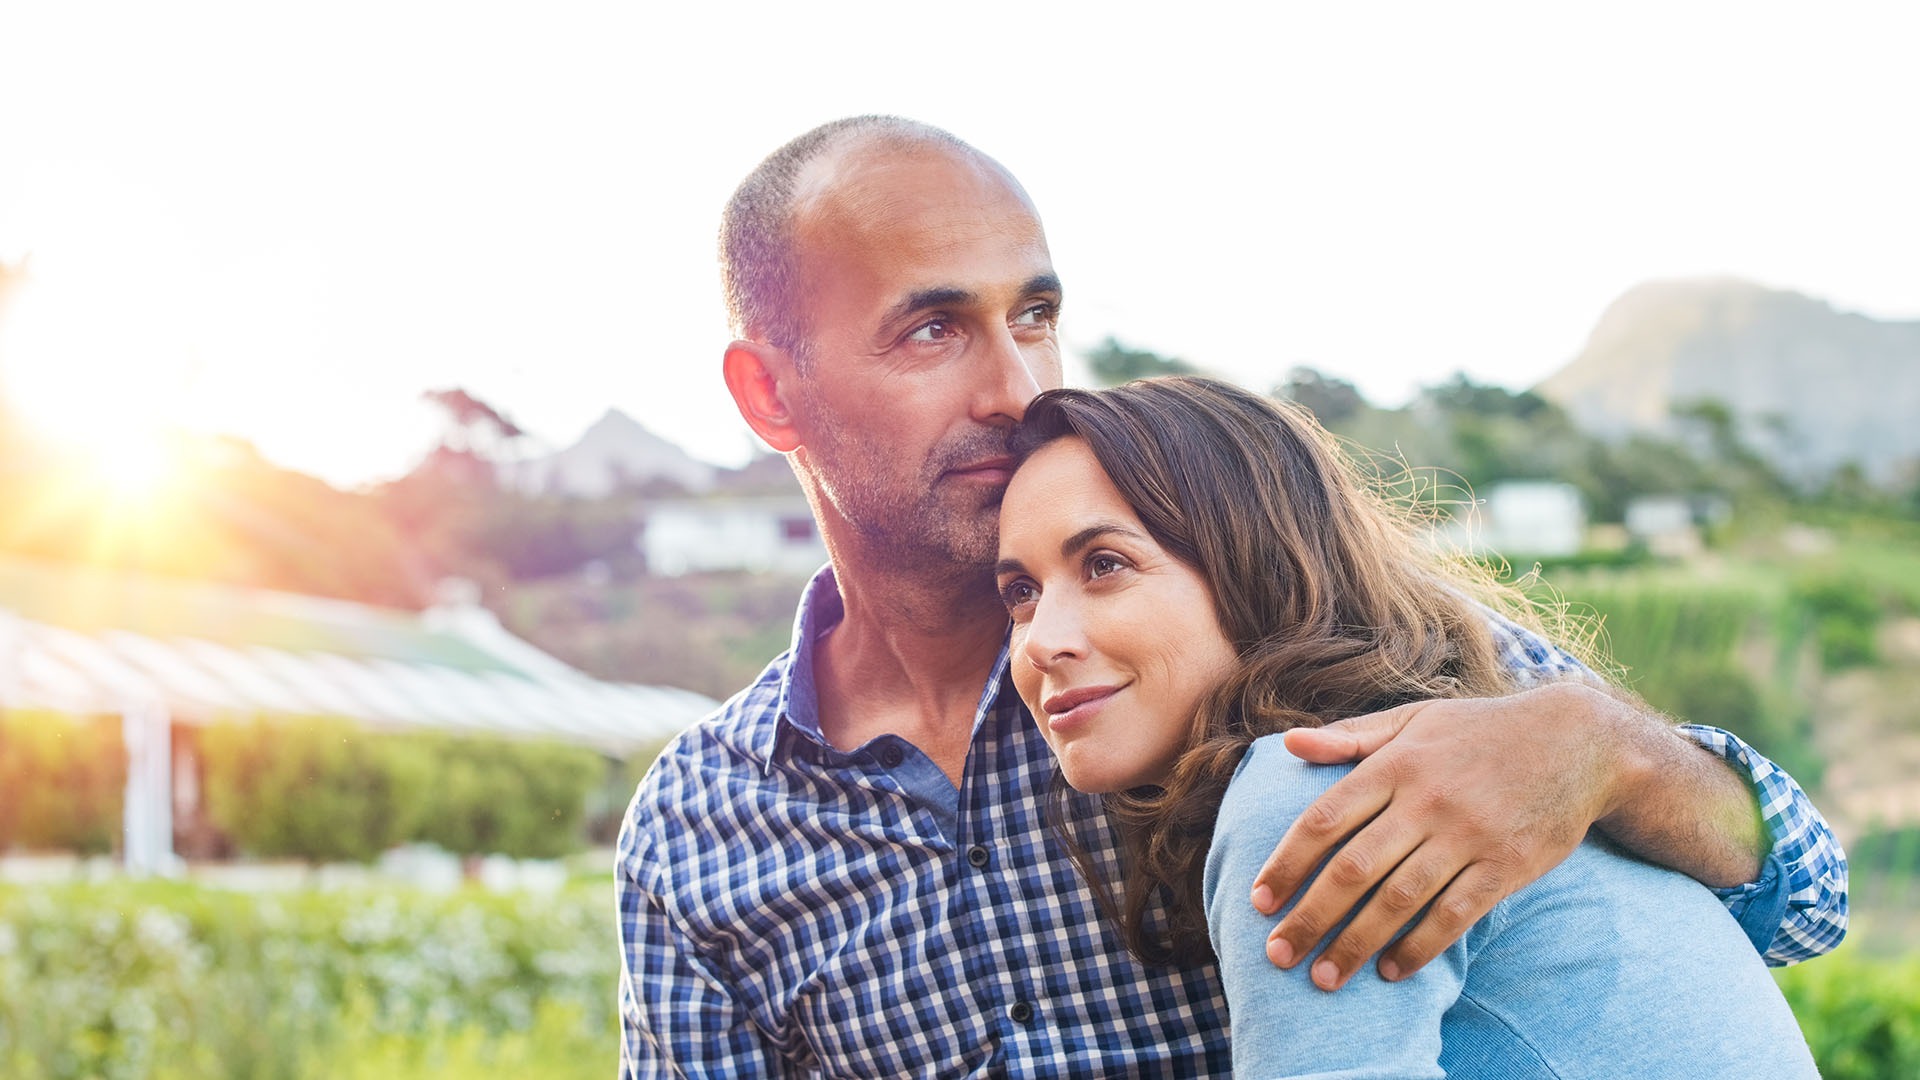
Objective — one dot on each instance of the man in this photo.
(847, 870)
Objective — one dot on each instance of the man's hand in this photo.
(1455, 804)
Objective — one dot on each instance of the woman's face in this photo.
(1115, 641)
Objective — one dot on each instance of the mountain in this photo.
(1812, 387)
(617, 450)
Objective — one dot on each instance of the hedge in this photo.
(136, 980)
(62, 781)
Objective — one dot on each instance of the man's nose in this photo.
(1012, 380)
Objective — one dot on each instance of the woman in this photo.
(1192, 570)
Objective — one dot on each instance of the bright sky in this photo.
(286, 222)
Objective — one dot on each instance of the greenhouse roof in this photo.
(84, 640)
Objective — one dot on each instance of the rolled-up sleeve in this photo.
(1797, 909)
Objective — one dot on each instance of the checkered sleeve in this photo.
(1798, 907)
(677, 1020)
(1805, 879)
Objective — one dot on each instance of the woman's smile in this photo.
(1115, 641)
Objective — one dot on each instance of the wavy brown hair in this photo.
(1333, 605)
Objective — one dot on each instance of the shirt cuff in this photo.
(1760, 906)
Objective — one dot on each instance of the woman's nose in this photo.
(1054, 633)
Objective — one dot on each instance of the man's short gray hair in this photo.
(758, 267)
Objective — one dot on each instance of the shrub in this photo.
(136, 980)
(1846, 615)
(1861, 1017)
(62, 781)
(312, 789)
(494, 796)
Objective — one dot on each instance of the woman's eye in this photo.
(1102, 565)
(1018, 594)
(937, 330)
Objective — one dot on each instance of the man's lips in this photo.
(997, 468)
(1081, 701)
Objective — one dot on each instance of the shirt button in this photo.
(891, 757)
(1020, 1012)
(977, 857)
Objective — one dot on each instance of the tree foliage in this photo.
(321, 790)
(1113, 363)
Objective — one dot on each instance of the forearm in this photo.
(1678, 804)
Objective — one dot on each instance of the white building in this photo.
(1524, 518)
(759, 533)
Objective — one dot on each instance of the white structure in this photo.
(162, 653)
(1525, 518)
(1669, 525)
(760, 534)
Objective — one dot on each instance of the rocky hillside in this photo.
(1812, 387)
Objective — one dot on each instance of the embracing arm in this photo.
(1458, 804)
(677, 1019)
(1282, 1025)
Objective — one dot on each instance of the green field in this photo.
(125, 981)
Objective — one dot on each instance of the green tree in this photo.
(1113, 363)
(1331, 400)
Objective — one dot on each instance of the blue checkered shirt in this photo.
(787, 908)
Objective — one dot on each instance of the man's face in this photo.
(932, 303)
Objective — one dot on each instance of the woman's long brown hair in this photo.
(1332, 603)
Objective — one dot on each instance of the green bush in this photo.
(1846, 613)
(313, 789)
(62, 781)
(137, 980)
(330, 790)
(492, 796)
(1860, 1016)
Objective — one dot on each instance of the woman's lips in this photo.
(1073, 707)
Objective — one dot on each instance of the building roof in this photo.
(84, 640)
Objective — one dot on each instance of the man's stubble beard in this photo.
(929, 527)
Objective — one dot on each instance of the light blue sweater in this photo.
(1605, 967)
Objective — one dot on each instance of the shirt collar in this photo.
(821, 609)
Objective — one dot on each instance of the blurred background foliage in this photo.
(1796, 625)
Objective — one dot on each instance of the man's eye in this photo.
(937, 330)
(1037, 315)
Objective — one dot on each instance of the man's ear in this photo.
(758, 376)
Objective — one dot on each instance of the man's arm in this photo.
(1458, 804)
(677, 1019)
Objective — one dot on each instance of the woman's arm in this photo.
(1494, 792)
(1282, 1024)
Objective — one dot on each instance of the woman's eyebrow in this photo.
(1098, 529)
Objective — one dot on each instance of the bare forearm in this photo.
(1677, 804)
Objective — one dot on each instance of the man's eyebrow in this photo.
(954, 296)
(922, 299)
(1049, 283)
